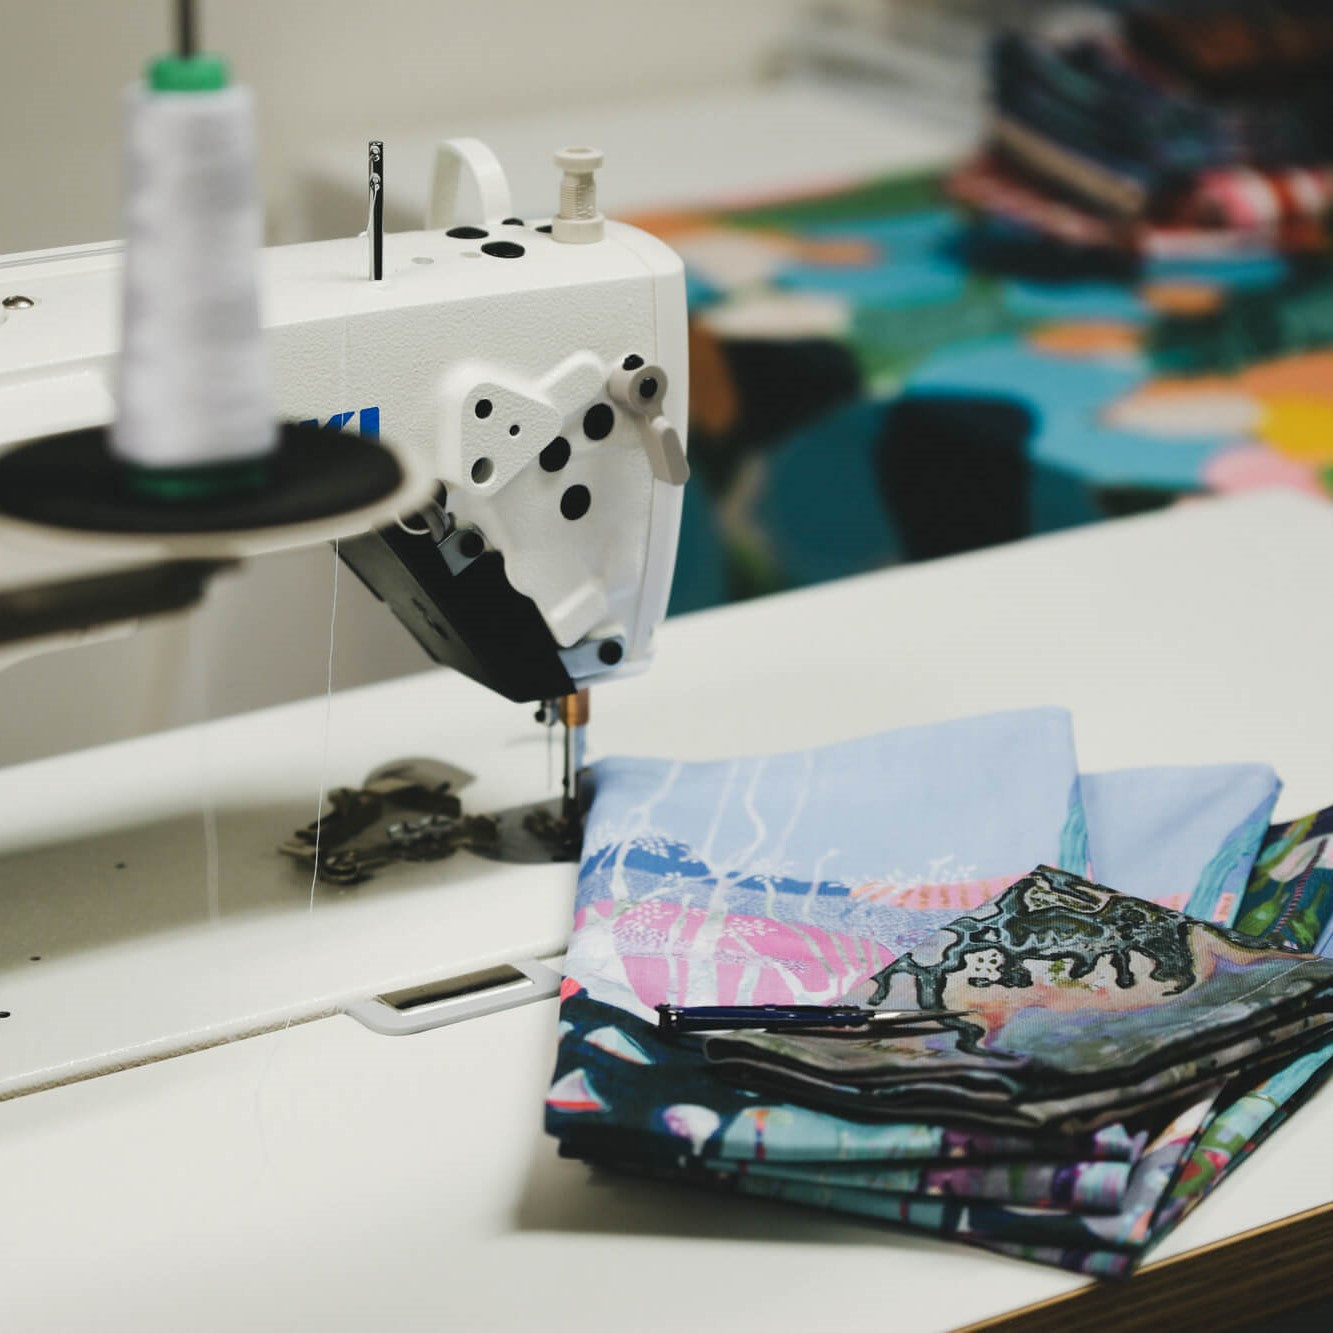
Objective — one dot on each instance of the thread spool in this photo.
(195, 421)
(194, 386)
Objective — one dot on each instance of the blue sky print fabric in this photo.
(793, 877)
(1181, 837)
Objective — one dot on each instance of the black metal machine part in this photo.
(471, 618)
(74, 605)
(76, 481)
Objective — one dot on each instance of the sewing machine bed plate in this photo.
(333, 1177)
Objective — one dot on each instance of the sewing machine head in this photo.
(547, 366)
(528, 374)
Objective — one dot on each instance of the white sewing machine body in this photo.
(536, 330)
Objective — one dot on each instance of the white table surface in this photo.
(324, 1176)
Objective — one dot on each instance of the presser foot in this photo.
(531, 834)
(409, 811)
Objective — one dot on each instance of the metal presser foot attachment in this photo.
(407, 810)
(410, 810)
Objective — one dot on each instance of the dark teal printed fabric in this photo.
(1081, 1187)
(627, 1092)
(1044, 1226)
(1107, 1243)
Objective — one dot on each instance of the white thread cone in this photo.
(194, 384)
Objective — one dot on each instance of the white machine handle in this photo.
(488, 178)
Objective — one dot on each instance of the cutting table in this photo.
(195, 1135)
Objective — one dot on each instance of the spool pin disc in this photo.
(73, 482)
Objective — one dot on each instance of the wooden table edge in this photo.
(1233, 1282)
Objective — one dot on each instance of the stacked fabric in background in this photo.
(1173, 130)
(1116, 1057)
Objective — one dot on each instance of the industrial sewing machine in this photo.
(478, 413)
(525, 377)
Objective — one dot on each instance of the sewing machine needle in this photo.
(574, 712)
(375, 227)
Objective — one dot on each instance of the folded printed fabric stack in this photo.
(1109, 1059)
(1165, 133)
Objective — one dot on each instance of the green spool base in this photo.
(188, 74)
(197, 483)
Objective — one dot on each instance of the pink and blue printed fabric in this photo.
(795, 877)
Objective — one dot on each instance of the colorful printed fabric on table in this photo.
(1076, 1005)
(1288, 901)
(616, 1081)
(1289, 897)
(1178, 1170)
(1045, 1232)
(1199, 1145)
(624, 1095)
(623, 1091)
(794, 877)
(1239, 1122)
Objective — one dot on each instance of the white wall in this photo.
(334, 68)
